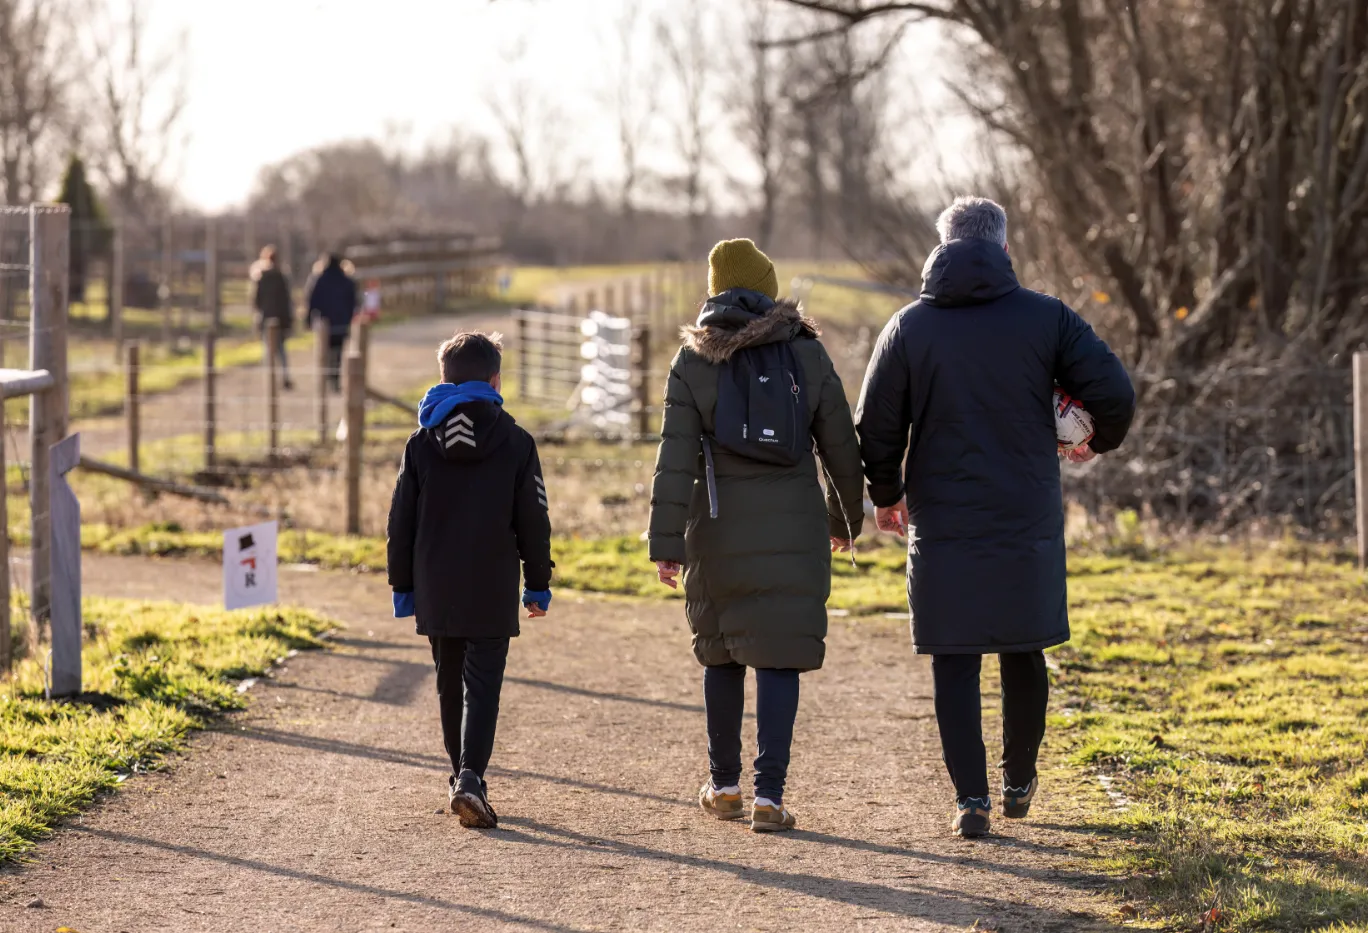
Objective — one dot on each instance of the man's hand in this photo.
(893, 518)
(841, 545)
(1080, 454)
(534, 611)
(667, 571)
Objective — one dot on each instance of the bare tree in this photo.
(1207, 161)
(633, 97)
(34, 83)
(685, 40)
(136, 101)
(761, 112)
(533, 130)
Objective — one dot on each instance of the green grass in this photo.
(1227, 697)
(153, 673)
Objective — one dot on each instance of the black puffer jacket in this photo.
(470, 503)
(971, 369)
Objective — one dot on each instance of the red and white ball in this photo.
(1073, 425)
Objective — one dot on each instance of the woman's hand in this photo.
(667, 571)
(893, 518)
(841, 545)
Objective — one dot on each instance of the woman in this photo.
(753, 538)
(273, 303)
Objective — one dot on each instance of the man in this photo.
(971, 369)
(272, 302)
(331, 294)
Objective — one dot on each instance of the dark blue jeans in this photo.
(776, 706)
(469, 679)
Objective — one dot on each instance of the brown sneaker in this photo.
(1016, 801)
(971, 818)
(722, 806)
(765, 819)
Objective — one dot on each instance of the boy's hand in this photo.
(841, 545)
(536, 602)
(667, 571)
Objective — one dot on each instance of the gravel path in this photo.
(323, 806)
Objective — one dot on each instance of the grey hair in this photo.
(970, 217)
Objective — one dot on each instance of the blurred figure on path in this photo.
(332, 295)
(272, 303)
(737, 507)
(970, 369)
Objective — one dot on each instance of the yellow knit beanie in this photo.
(740, 264)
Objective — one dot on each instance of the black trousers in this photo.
(1025, 691)
(469, 677)
(336, 344)
(776, 707)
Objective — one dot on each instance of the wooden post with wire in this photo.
(116, 289)
(210, 400)
(524, 357)
(164, 288)
(320, 330)
(641, 365)
(6, 636)
(354, 368)
(1361, 453)
(131, 355)
(272, 330)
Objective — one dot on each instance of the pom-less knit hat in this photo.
(740, 264)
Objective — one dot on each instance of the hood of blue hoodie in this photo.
(466, 421)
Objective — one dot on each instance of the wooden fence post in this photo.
(360, 338)
(6, 638)
(321, 355)
(213, 303)
(164, 289)
(66, 570)
(210, 401)
(356, 420)
(131, 401)
(642, 364)
(524, 358)
(1361, 453)
(116, 290)
(49, 246)
(272, 330)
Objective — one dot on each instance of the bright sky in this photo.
(267, 78)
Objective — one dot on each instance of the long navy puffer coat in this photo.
(961, 383)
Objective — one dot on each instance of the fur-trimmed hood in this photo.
(740, 318)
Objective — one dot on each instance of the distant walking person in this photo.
(332, 295)
(272, 302)
(970, 369)
(736, 505)
(469, 506)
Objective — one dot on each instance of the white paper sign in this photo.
(249, 566)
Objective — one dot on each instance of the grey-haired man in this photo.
(970, 370)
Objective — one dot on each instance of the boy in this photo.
(470, 503)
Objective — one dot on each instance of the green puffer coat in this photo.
(757, 577)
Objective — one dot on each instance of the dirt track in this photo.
(323, 806)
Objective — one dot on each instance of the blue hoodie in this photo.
(443, 397)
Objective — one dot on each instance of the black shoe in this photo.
(470, 802)
(971, 817)
(288, 385)
(1016, 801)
